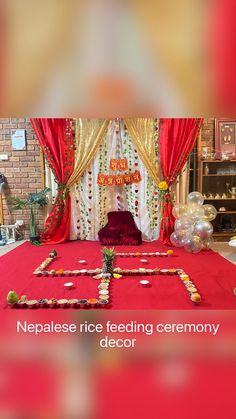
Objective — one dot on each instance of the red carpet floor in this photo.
(214, 277)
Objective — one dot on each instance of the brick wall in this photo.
(208, 134)
(23, 170)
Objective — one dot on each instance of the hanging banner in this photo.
(119, 164)
(118, 180)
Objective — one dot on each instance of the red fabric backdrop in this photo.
(177, 139)
(57, 141)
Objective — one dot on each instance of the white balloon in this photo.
(195, 198)
(193, 245)
(176, 240)
(180, 210)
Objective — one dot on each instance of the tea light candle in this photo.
(144, 283)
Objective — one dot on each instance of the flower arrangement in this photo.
(163, 186)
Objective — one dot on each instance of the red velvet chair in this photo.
(120, 229)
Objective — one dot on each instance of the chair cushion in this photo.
(120, 229)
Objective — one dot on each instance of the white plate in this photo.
(83, 271)
(144, 260)
(82, 261)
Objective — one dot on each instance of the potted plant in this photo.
(108, 260)
(33, 202)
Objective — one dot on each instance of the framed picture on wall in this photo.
(225, 138)
(18, 139)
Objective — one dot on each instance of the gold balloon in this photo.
(210, 212)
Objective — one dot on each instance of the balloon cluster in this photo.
(193, 229)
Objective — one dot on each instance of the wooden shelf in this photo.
(234, 174)
(226, 212)
(219, 199)
(222, 233)
(218, 161)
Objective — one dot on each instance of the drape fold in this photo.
(56, 137)
(89, 133)
(177, 138)
(142, 132)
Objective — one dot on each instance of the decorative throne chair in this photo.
(120, 229)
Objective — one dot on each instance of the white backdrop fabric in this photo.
(90, 202)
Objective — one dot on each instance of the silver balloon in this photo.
(203, 229)
(195, 198)
(207, 244)
(195, 212)
(176, 240)
(210, 212)
(193, 244)
(180, 210)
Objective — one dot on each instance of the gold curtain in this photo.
(181, 187)
(142, 132)
(89, 135)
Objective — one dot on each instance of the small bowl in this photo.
(92, 302)
(149, 271)
(73, 302)
(52, 303)
(83, 262)
(103, 303)
(62, 302)
(32, 303)
(144, 283)
(37, 273)
(104, 292)
(67, 273)
(83, 271)
(103, 286)
(192, 290)
(22, 304)
(68, 285)
(76, 272)
(164, 272)
(42, 302)
(104, 297)
(83, 303)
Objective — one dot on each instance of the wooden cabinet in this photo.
(217, 183)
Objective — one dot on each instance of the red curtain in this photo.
(56, 136)
(176, 140)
